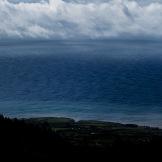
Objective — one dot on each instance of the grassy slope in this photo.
(100, 135)
(48, 138)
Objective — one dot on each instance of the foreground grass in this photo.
(48, 138)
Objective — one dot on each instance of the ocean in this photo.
(109, 80)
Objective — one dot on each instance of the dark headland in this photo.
(45, 139)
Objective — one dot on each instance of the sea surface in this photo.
(109, 80)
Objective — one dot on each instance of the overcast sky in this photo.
(140, 1)
(94, 19)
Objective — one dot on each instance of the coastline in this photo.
(144, 116)
(73, 121)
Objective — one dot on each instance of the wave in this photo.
(74, 19)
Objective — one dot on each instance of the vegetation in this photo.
(47, 138)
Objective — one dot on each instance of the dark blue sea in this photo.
(105, 80)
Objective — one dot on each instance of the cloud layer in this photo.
(57, 19)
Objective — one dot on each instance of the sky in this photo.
(74, 19)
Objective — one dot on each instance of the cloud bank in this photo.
(57, 19)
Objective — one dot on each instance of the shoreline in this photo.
(81, 112)
(78, 120)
